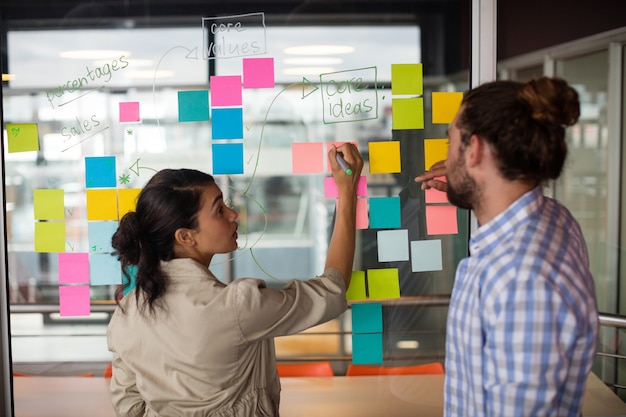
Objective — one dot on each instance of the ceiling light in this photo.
(94, 54)
(145, 75)
(313, 60)
(307, 70)
(319, 50)
(8, 77)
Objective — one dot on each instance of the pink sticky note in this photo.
(73, 268)
(362, 220)
(129, 112)
(435, 196)
(330, 188)
(441, 220)
(74, 300)
(308, 157)
(258, 72)
(225, 90)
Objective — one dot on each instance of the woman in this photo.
(184, 343)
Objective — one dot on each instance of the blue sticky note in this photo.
(367, 348)
(367, 318)
(99, 236)
(426, 255)
(104, 269)
(227, 158)
(193, 106)
(131, 271)
(384, 212)
(100, 171)
(393, 245)
(227, 123)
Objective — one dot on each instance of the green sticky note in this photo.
(356, 290)
(50, 237)
(407, 113)
(22, 137)
(48, 204)
(407, 79)
(383, 283)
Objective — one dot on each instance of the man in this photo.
(523, 323)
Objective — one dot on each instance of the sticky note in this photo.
(193, 106)
(407, 79)
(367, 348)
(22, 137)
(441, 220)
(225, 90)
(433, 195)
(49, 204)
(331, 191)
(74, 300)
(101, 204)
(73, 268)
(362, 219)
(426, 255)
(393, 245)
(367, 318)
(258, 72)
(445, 106)
(227, 158)
(435, 150)
(356, 290)
(127, 200)
(100, 171)
(129, 112)
(99, 234)
(49, 236)
(105, 269)
(384, 212)
(383, 283)
(407, 113)
(307, 157)
(227, 123)
(384, 157)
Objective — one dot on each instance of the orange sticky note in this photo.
(445, 106)
(101, 204)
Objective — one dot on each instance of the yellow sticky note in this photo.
(49, 236)
(22, 137)
(435, 150)
(48, 204)
(102, 204)
(127, 200)
(445, 106)
(384, 157)
(407, 79)
(383, 283)
(356, 290)
(407, 113)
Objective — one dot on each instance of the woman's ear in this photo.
(184, 237)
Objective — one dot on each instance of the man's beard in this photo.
(462, 191)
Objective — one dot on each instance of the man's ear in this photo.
(184, 237)
(475, 151)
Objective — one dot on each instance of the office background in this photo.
(287, 215)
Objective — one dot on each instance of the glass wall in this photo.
(96, 85)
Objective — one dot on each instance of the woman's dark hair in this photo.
(145, 237)
(524, 123)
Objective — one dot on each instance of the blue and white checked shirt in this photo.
(523, 321)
